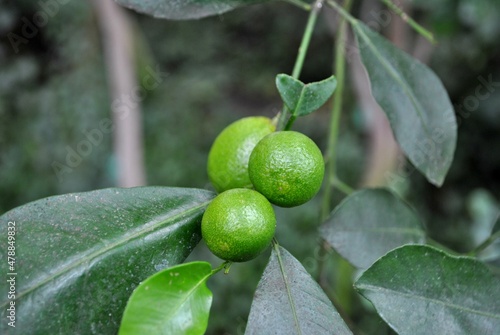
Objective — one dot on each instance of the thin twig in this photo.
(299, 62)
(405, 17)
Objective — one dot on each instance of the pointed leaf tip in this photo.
(289, 301)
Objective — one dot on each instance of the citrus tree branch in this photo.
(299, 62)
(339, 66)
(418, 28)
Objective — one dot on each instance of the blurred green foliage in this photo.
(221, 69)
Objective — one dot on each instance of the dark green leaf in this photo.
(302, 99)
(415, 101)
(290, 90)
(368, 224)
(289, 301)
(79, 256)
(173, 301)
(184, 9)
(421, 290)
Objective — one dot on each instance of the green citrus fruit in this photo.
(287, 168)
(238, 225)
(228, 157)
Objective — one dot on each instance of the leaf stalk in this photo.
(299, 62)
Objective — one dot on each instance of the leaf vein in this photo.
(67, 267)
(447, 304)
(396, 76)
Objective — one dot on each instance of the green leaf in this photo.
(302, 99)
(79, 256)
(173, 301)
(184, 9)
(369, 223)
(417, 105)
(289, 301)
(422, 290)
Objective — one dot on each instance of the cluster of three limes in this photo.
(285, 168)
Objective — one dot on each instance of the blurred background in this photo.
(67, 65)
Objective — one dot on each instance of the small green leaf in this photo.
(80, 255)
(289, 301)
(185, 9)
(422, 290)
(416, 103)
(173, 301)
(302, 99)
(369, 223)
(290, 90)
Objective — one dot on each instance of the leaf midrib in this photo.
(102, 251)
(395, 75)
(408, 231)
(188, 295)
(447, 304)
(288, 289)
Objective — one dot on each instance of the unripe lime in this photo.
(287, 168)
(238, 225)
(228, 157)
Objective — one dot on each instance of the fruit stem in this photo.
(225, 265)
(290, 122)
(299, 62)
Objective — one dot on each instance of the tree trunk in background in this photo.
(383, 149)
(117, 40)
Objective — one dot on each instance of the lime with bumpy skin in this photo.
(238, 225)
(228, 158)
(287, 168)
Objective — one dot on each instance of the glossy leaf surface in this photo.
(369, 223)
(421, 290)
(289, 301)
(415, 101)
(79, 256)
(173, 301)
